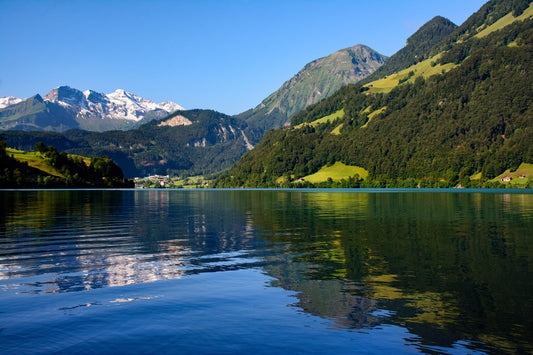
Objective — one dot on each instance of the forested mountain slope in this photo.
(416, 48)
(486, 16)
(190, 142)
(464, 126)
(48, 168)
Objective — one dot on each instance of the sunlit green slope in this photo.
(47, 168)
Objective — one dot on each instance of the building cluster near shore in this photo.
(165, 181)
(162, 179)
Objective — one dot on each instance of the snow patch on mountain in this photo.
(8, 101)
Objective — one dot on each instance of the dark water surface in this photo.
(262, 271)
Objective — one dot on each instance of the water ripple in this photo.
(82, 254)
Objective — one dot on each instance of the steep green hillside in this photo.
(465, 126)
(425, 69)
(416, 48)
(487, 15)
(317, 80)
(336, 172)
(439, 60)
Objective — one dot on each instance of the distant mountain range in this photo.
(316, 81)
(65, 108)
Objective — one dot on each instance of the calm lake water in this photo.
(266, 271)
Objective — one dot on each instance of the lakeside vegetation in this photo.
(45, 167)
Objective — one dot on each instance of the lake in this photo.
(266, 271)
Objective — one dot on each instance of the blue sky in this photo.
(226, 55)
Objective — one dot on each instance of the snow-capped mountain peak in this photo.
(67, 96)
(121, 97)
(10, 100)
(130, 106)
(119, 104)
(170, 106)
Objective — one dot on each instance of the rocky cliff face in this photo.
(324, 76)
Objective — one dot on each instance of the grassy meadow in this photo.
(35, 160)
(504, 21)
(336, 172)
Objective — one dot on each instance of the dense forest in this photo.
(440, 131)
(487, 15)
(50, 168)
(416, 48)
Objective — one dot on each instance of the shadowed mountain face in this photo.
(315, 81)
(193, 142)
(36, 114)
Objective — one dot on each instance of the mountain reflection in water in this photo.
(453, 269)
